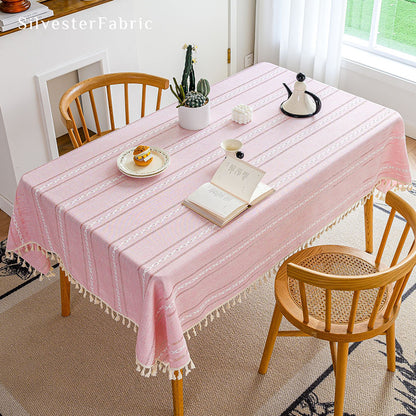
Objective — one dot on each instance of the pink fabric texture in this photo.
(131, 243)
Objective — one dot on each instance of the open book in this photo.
(234, 187)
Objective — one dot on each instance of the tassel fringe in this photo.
(177, 373)
(272, 272)
(173, 373)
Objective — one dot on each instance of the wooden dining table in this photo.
(130, 245)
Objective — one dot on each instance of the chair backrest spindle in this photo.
(143, 100)
(385, 236)
(304, 302)
(106, 80)
(328, 305)
(110, 107)
(81, 115)
(126, 102)
(73, 131)
(376, 307)
(94, 111)
(400, 245)
(353, 311)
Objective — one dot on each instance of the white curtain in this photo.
(302, 35)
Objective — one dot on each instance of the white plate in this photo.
(127, 166)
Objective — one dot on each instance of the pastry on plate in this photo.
(142, 155)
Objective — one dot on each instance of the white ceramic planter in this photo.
(194, 118)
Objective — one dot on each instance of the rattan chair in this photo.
(88, 86)
(342, 295)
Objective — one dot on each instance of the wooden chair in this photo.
(314, 291)
(89, 85)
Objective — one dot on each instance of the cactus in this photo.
(203, 87)
(195, 99)
(186, 94)
(188, 72)
(179, 94)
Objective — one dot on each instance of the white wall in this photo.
(246, 19)
(27, 53)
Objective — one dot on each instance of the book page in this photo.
(215, 200)
(238, 178)
(260, 193)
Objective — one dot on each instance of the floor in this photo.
(5, 219)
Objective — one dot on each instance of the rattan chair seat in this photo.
(341, 264)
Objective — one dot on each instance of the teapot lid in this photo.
(300, 77)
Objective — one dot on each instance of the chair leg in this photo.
(391, 348)
(368, 224)
(271, 339)
(65, 294)
(333, 346)
(342, 359)
(177, 393)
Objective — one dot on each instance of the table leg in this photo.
(65, 294)
(177, 392)
(368, 221)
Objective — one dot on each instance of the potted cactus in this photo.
(193, 103)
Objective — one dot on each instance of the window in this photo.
(385, 27)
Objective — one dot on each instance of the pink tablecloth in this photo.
(134, 248)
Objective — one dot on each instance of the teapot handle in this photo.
(317, 102)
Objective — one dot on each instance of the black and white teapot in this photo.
(300, 103)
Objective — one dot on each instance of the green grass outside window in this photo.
(397, 25)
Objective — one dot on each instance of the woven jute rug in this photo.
(84, 365)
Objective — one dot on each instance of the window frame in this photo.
(372, 46)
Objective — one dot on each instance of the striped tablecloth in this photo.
(155, 265)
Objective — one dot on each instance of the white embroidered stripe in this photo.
(192, 281)
(303, 168)
(131, 202)
(147, 371)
